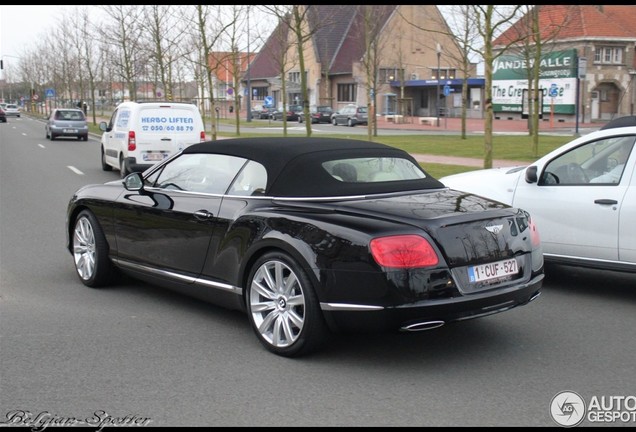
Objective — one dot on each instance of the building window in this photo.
(294, 77)
(444, 73)
(391, 74)
(608, 55)
(347, 92)
(259, 93)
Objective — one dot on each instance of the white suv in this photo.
(140, 134)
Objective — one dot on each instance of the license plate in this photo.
(70, 131)
(493, 270)
(153, 156)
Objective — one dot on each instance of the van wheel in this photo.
(105, 166)
(123, 172)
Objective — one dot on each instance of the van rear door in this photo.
(164, 129)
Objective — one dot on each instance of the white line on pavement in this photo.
(75, 170)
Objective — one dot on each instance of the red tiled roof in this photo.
(563, 22)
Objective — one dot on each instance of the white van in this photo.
(140, 134)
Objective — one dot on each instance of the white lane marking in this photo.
(75, 170)
(41, 145)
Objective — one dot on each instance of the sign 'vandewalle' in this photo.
(557, 80)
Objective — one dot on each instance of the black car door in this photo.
(168, 225)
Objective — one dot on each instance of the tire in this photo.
(105, 166)
(123, 171)
(334, 122)
(90, 251)
(282, 306)
(52, 137)
(300, 119)
(350, 123)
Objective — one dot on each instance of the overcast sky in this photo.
(21, 26)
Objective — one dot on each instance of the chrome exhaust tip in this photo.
(426, 325)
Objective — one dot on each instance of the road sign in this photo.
(447, 90)
(50, 93)
(582, 66)
(35, 96)
(553, 91)
(269, 101)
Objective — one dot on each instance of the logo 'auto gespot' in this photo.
(569, 409)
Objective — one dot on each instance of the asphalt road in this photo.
(139, 354)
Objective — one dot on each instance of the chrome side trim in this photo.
(177, 276)
(348, 307)
(290, 199)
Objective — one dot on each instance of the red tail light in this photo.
(535, 238)
(203, 136)
(132, 141)
(403, 251)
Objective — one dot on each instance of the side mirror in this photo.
(134, 182)
(103, 126)
(531, 174)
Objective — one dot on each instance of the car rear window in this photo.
(69, 115)
(371, 170)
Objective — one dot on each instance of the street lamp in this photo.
(439, 55)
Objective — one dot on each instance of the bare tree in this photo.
(372, 19)
(302, 22)
(280, 51)
(125, 34)
(208, 37)
(531, 42)
(165, 35)
(84, 40)
(461, 23)
(490, 20)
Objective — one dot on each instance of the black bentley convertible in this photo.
(308, 236)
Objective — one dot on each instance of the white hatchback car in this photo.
(12, 110)
(582, 196)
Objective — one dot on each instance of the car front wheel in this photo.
(90, 251)
(334, 122)
(283, 308)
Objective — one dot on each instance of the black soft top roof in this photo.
(620, 122)
(294, 164)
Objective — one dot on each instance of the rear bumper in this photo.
(133, 166)
(68, 131)
(420, 315)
